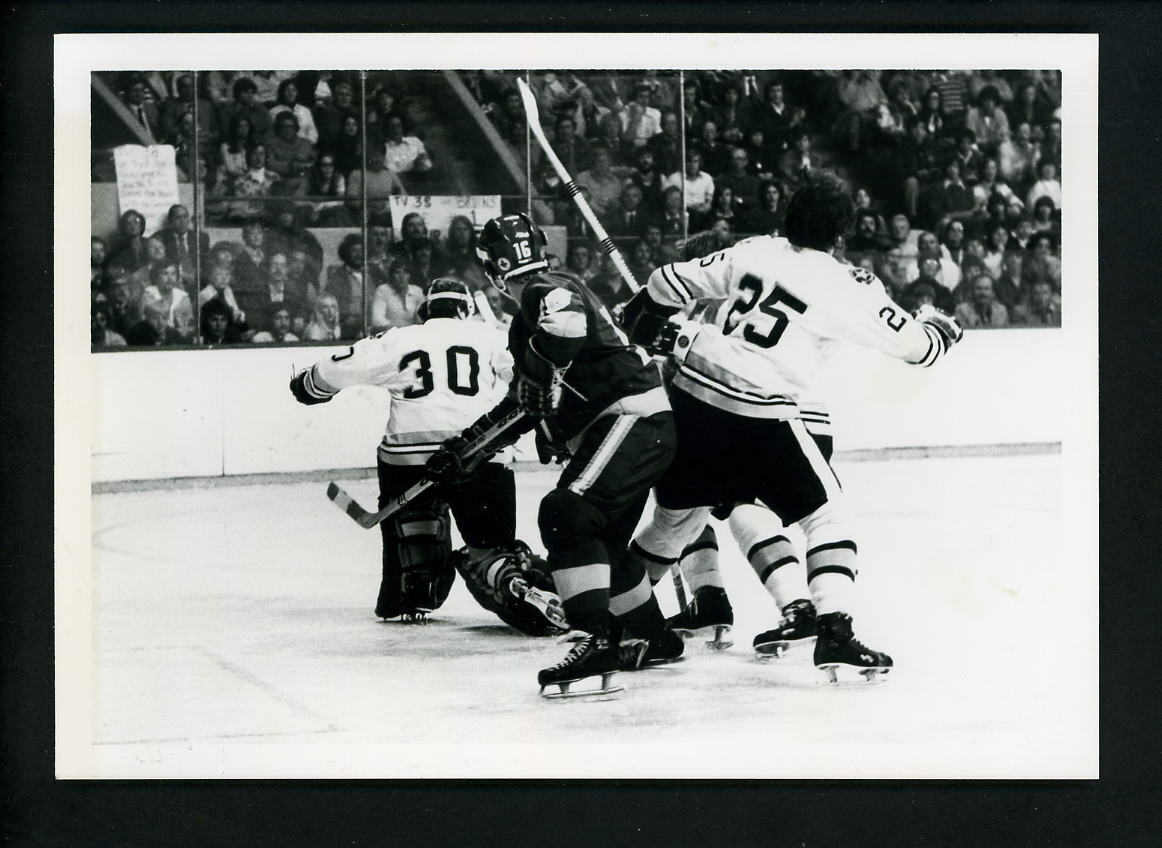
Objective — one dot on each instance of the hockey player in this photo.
(442, 374)
(739, 382)
(599, 400)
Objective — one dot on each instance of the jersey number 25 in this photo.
(750, 288)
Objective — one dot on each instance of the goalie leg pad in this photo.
(417, 573)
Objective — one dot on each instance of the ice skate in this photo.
(666, 647)
(546, 603)
(709, 614)
(593, 656)
(797, 627)
(842, 656)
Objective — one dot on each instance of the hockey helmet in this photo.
(510, 246)
(448, 298)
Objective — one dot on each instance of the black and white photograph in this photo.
(577, 405)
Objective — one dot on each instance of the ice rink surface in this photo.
(235, 637)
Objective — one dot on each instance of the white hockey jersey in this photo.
(784, 311)
(442, 376)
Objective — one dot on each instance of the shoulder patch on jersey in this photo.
(556, 300)
(861, 275)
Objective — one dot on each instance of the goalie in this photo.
(442, 375)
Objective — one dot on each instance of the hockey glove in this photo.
(548, 449)
(541, 400)
(303, 387)
(674, 339)
(644, 318)
(446, 466)
(944, 324)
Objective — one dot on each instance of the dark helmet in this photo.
(447, 298)
(510, 246)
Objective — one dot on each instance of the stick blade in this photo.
(348, 504)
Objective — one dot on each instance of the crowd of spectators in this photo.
(957, 174)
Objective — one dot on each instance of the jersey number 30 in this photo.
(458, 382)
(750, 288)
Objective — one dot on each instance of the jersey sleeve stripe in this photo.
(930, 354)
(316, 386)
(684, 294)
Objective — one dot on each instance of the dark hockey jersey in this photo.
(569, 326)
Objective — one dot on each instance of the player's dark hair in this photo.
(820, 212)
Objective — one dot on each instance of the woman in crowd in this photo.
(102, 333)
(767, 217)
(994, 254)
(232, 151)
(258, 182)
(288, 102)
(347, 146)
(327, 188)
(721, 208)
(1018, 156)
(344, 283)
(325, 325)
(280, 329)
(289, 155)
(1045, 217)
(128, 252)
(217, 329)
(931, 113)
(220, 287)
(987, 120)
(404, 154)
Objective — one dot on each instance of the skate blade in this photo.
(777, 650)
(841, 674)
(565, 690)
(717, 635)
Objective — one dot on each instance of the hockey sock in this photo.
(831, 564)
(581, 575)
(656, 567)
(635, 605)
(662, 540)
(699, 562)
(761, 538)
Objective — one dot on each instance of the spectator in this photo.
(866, 240)
(123, 312)
(987, 120)
(1046, 186)
(179, 243)
(863, 203)
(722, 208)
(953, 96)
(166, 295)
(953, 242)
(994, 252)
(267, 83)
(932, 113)
(608, 284)
(699, 185)
(277, 290)
(1041, 263)
(220, 287)
(674, 218)
(328, 189)
(382, 183)
(914, 165)
(1019, 236)
(101, 330)
(257, 183)
(1009, 287)
(395, 302)
(232, 151)
(738, 178)
(509, 119)
(152, 330)
(498, 305)
(1051, 144)
(286, 233)
(329, 117)
(280, 329)
(458, 258)
(861, 96)
(251, 259)
(603, 184)
(649, 179)
(174, 108)
(951, 198)
(1041, 309)
(639, 120)
(137, 282)
(1029, 107)
(98, 276)
(344, 283)
(773, 116)
(694, 109)
(667, 144)
(948, 273)
(1018, 156)
(928, 281)
(629, 218)
(216, 326)
(982, 309)
(715, 154)
(903, 250)
(896, 114)
(800, 144)
(766, 218)
(304, 275)
(246, 104)
(970, 159)
(978, 80)
(571, 149)
(661, 250)
(579, 260)
(991, 183)
(348, 146)
(288, 103)
(143, 110)
(289, 154)
(325, 324)
(128, 253)
(1045, 217)
(414, 241)
(404, 154)
(382, 107)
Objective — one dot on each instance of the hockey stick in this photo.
(475, 451)
(534, 119)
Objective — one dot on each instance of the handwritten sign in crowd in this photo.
(438, 212)
(147, 180)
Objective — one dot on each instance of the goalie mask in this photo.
(447, 298)
(511, 246)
